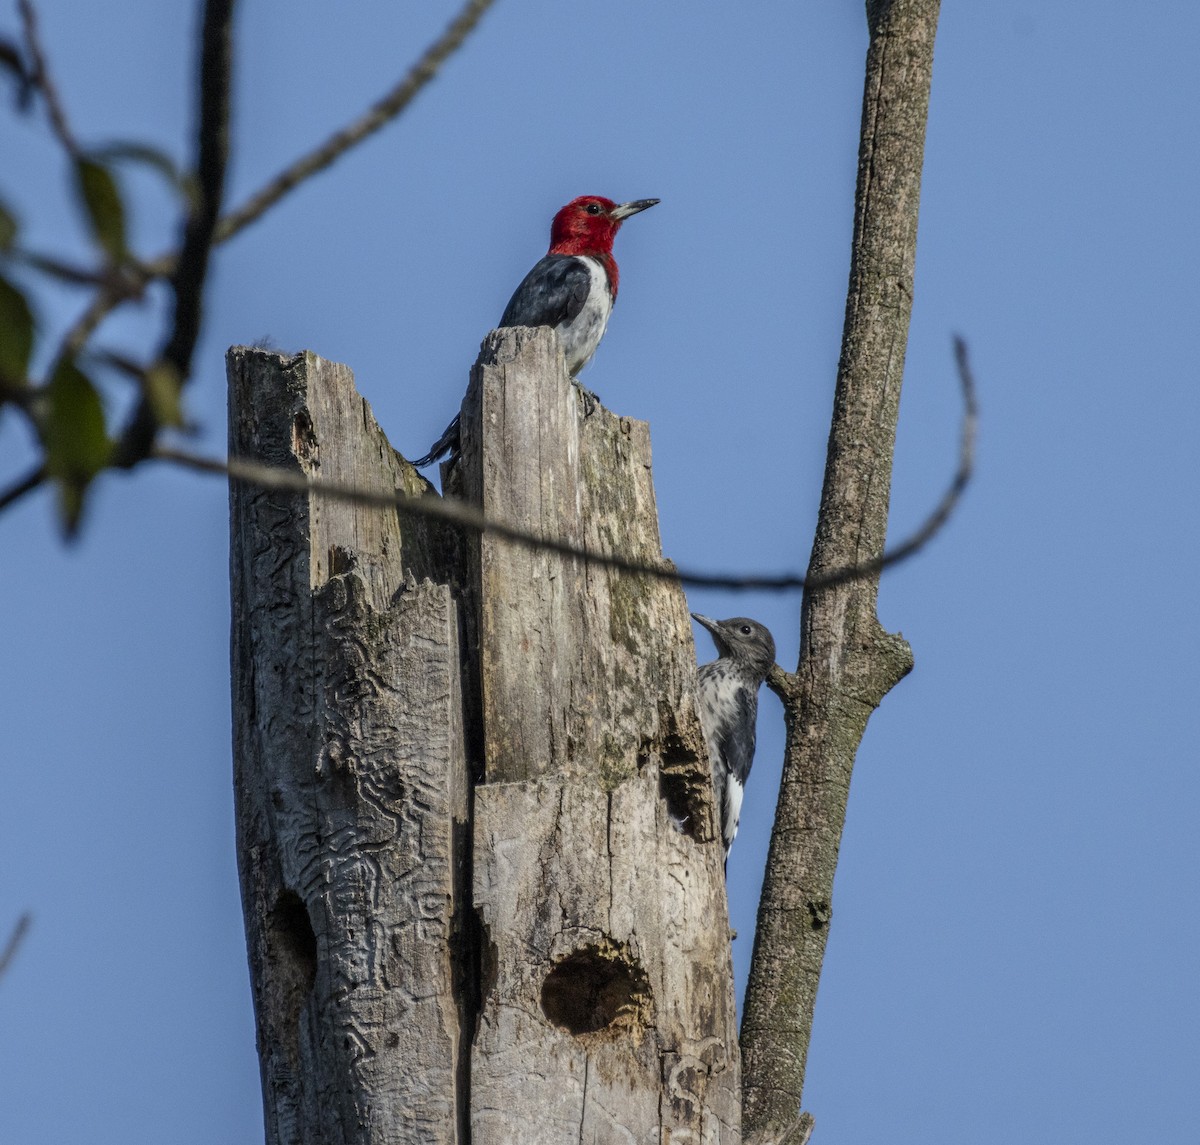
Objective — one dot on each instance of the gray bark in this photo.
(608, 1013)
(350, 774)
(847, 662)
(585, 992)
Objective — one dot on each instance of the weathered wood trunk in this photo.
(608, 1013)
(585, 992)
(349, 774)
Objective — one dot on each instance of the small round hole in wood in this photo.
(598, 987)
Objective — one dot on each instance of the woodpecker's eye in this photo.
(745, 630)
(593, 208)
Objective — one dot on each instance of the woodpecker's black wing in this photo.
(552, 293)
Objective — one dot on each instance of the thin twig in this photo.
(468, 517)
(26, 484)
(386, 109)
(122, 363)
(41, 78)
(114, 289)
(14, 941)
(124, 284)
(85, 325)
(56, 268)
(941, 513)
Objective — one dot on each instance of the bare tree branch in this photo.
(203, 227)
(26, 484)
(847, 662)
(382, 112)
(455, 512)
(57, 268)
(44, 82)
(941, 513)
(77, 334)
(468, 517)
(385, 110)
(212, 155)
(14, 941)
(134, 278)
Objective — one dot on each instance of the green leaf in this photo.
(16, 334)
(162, 388)
(147, 156)
(76, 439)
(8, 227)
(102, 201)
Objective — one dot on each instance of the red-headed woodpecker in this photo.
(729, 707)
(572, 289)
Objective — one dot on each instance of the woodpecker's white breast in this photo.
(719, 688)
(582, 335)
(722, 708)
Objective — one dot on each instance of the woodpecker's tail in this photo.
(445, 445)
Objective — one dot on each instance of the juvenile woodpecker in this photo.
(728, 709)
(572, 289)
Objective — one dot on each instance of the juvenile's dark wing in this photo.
(736, 745)
(738, 735)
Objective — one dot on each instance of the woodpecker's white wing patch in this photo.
(732, 811)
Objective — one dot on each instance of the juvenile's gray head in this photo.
(744, 641)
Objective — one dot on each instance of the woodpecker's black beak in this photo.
(714, 626)
(624, 210)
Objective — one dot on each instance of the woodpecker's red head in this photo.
(588, 225)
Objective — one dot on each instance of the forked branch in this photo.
(847, 661)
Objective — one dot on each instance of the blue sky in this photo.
(1015, 940)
